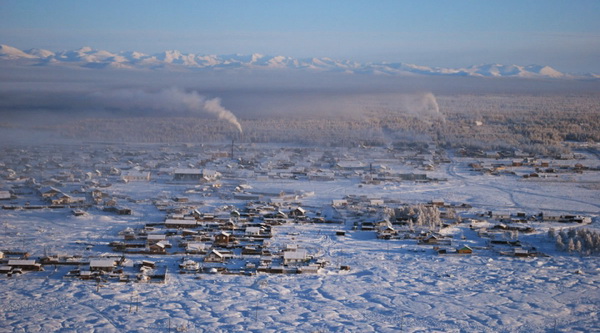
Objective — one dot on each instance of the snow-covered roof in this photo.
(188, 171)
(102, 263)
(21, 262)
(295, 255)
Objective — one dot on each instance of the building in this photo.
(214, 256)
(465, 250)
(299, 255)
(135, 176)
(26, 265)
(103, 265)
(222, 238)
(195, 175)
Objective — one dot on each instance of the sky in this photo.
(562, 34)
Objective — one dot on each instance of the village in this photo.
(233, 209)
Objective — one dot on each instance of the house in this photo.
(195, 175)
(551, 217)
(501, 216)
(339, 203)
(298, 212)
(155, 238)
(65, 199)
(350, 165)
(195, 247)
(321, 176)
(299, 255)
(521, 252)
(189, 232)
(189, 266)
(25, 264)
(223, 238)
(252, 231)
(376, 202)
(135, 176)
(431, 239)
(465, 250)
(438, 202)
(177, 223)
(187, 175)
(251, 250)
(385, 232)
(49, 191)
(210, 175)
(158, 248)
(310, 269)
(103, 265)
(5, 195)
(148, 263)
(214, 256)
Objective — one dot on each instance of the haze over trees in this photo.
(536, 124)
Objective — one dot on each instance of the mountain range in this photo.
(88, 57)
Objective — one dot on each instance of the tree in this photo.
(571, 245)
(559, 242)
(578, 246)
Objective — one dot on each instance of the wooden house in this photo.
(25, 264)
(195, 247)
(465, 250)
(298, 212)
(223, 238)
(214, 256)
(431, 239)
(104, 265)
(158, 248)
(49, 191)
(135, 176)
(299, 255)
(155, 238)
(253, 231)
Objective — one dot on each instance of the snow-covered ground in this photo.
(392, 285)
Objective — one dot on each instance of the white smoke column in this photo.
(166, 100)
(423, 105)
(214, 106)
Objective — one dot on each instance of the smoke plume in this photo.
(423, 105)
(214, 106)
(167, 100)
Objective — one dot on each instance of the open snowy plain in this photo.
(392, 285)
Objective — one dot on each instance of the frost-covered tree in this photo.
(551, 233)
(580, 240)
(559, 241)
(571, 245)
(578, 246)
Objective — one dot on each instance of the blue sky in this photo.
(562, 34)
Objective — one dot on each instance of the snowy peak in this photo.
(497, 70)
(88, 57)
(9, 52)
(40, 53)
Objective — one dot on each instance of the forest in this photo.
(533, 123)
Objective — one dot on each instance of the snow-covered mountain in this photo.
(91, 58)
